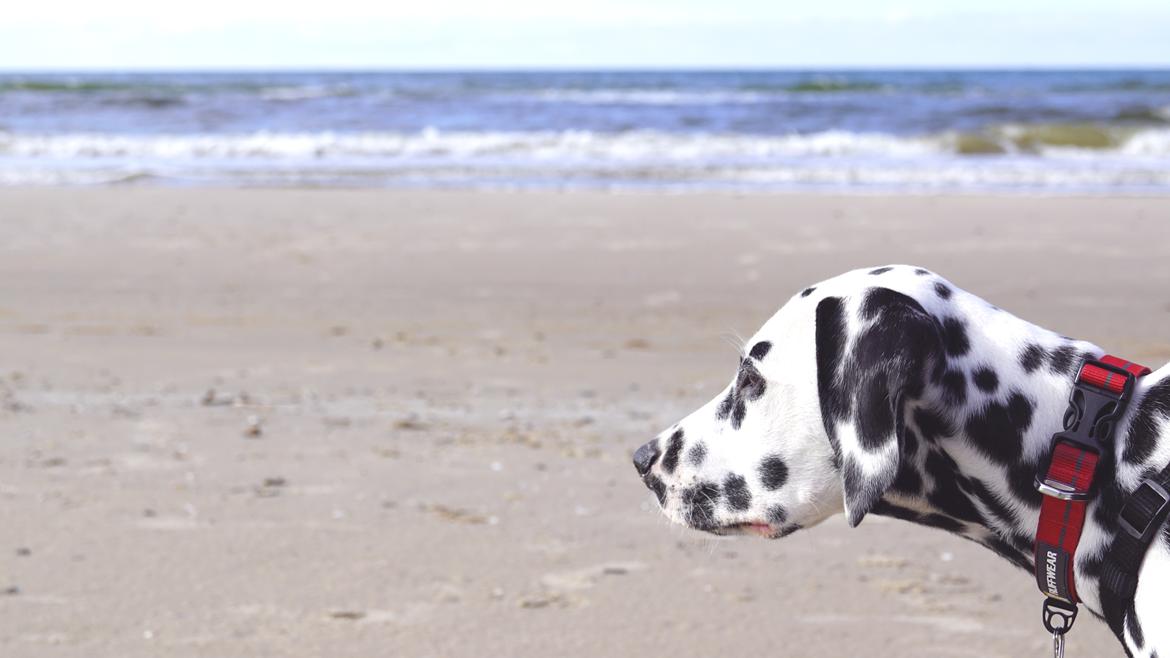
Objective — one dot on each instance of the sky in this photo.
(486, 34)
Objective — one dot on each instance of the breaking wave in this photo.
(1054, 157)
(1044, 140)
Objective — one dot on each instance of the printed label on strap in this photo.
(1053, 578)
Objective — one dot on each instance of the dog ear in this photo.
(867, 371)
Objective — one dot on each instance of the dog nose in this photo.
(645, 457)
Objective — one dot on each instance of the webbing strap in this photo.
(1098, 400)
(1061, 521)
(1102, 378)
(1140, 521)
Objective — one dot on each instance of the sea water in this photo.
(1029, 131)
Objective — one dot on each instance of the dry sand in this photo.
(373, 423)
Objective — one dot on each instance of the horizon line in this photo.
(591, 69)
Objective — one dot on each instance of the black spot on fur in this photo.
(760, 350)
(738, 414)
(1022, 483)
(697, 454)
(807, 291)
(1010, 552)
(658, 487)
(1063, 360)
(954, 385)
(941, 522)
(699, 505)
(1153, 410)
(986, 379)
(830, 345)
(908, 479)
(932, 424)
(1093, 564)
(942, 290)
(946, 496)
(1023, 541)
(777, 515)
(954, 334)
(995, 506)
(735, 490)
(673, 449)
(1032, 357)
(773, 472)
(723, 411)
(998, 430)
(880, 270)
(909, 443)
(885, 508)
(922, 272)
(1110, 496)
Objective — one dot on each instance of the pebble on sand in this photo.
(455, 515)
(637, 344)
(411, 422)
(254, 427)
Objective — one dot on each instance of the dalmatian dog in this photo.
(890, 391)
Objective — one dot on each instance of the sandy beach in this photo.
(394, 423)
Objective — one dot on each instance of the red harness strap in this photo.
(1101, 392)
(1062, 519)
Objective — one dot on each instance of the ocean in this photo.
(1095, 132)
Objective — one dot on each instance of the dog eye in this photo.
(749, 379)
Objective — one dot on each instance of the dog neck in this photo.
(975, 439)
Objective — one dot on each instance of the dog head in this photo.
(812, 423)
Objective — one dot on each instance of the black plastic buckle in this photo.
(1059, 615)
(1154, 521)
(1089, 421)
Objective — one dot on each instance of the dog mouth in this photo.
(753, 529)
(747, 528)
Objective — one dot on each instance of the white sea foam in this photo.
(830, 158)
(1149, 143)
(570, 144)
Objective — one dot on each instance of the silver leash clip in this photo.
(1058, 645)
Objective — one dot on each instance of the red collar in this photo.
(1099, 398)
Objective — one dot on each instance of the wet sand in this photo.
(384, 423)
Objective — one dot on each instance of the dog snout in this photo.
(645, 457)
